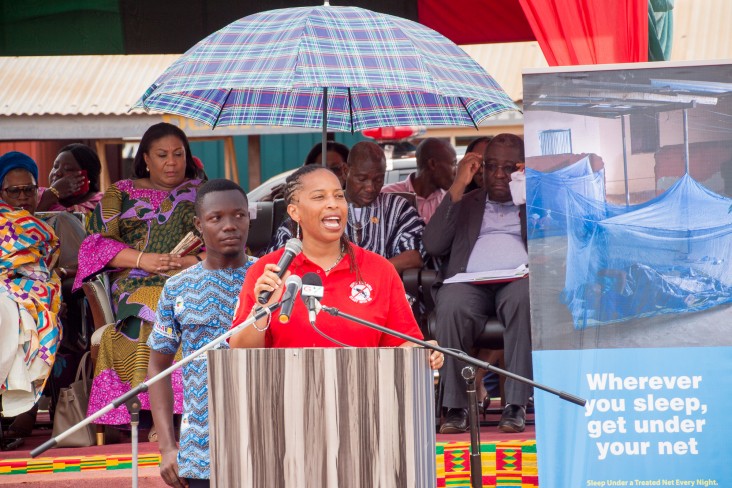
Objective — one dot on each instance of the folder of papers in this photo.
(495, 276)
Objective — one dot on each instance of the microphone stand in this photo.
(133, 403)
(475, 468)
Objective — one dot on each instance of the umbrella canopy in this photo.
(372, 70)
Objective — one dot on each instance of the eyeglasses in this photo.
(15, 191)
(493, 168)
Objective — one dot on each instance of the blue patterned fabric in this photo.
(196, 307)
(270, 68)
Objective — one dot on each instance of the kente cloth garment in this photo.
(388, 227)
(147, 220)
(30, 297)
(83, 207)
(196, 306)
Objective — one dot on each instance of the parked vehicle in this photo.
(396, 170)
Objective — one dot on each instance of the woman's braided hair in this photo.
(293, 183)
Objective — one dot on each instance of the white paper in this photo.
(517, 185)
(487, 276)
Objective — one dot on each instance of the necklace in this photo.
(355, 224)
(340, 256)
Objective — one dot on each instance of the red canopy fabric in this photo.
(574, 32)
(476, 21)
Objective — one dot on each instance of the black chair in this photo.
(418, 284)
(260, 228)
(488, 345)
(423, 283)
(279, 214)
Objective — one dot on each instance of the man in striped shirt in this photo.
(384, 223)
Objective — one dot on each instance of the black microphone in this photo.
(292, 287)
(292, 249)
(312, 290)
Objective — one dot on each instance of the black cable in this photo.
(326, 336)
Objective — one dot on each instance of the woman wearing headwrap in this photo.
(30, 293)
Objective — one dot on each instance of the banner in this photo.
(629, 205)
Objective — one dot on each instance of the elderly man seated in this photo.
(436, 163)
(482, 231)
(383, 223)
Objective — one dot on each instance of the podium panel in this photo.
(321, 418)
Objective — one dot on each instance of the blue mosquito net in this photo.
(547, 195)
(671, 254)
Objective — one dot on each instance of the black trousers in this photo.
(461, 312)
(196, 483)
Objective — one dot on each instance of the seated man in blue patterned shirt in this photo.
(196, 307)
(384, 223)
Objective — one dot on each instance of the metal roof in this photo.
(76, 85)
(701, 30)
(504, 62)
(110, 84)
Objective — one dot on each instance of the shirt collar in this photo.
(410, 188)
(504, 204)
(302, 261)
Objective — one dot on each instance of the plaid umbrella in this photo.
(374, 70)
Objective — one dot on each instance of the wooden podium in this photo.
(321, 418)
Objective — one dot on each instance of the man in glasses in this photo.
(483, 231)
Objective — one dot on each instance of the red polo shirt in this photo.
(380, 300)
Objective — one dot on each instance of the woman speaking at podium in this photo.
(355, 281)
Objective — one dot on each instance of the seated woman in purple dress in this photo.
(131, 234)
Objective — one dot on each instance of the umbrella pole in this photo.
(323, 152)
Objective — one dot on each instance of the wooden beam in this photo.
(227, 161)
(255, 161)
(231, 152)
(104, 179)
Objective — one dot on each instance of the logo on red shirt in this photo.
(361, 292)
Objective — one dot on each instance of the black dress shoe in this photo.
(513, 419)
(456, 421)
